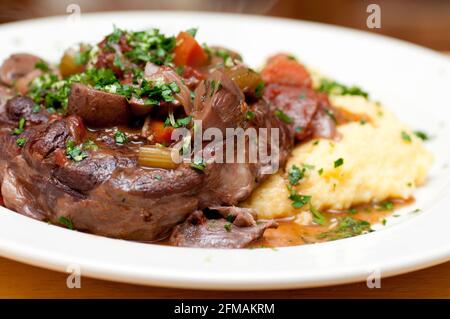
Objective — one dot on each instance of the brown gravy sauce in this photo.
(292, 233)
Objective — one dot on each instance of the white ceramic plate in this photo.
(411, 80)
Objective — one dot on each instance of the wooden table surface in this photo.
(18, 280)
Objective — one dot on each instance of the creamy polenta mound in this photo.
(373, 160)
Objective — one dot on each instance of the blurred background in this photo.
(425, 22)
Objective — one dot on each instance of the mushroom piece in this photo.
(98, 108)
(17, 66)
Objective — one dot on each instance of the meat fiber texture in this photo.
(378, 163)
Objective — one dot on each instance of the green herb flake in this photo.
(250, 115)
(228, 227)
(192, 31)
(259, 90)
(385, 206)
(347, 227)
(295, 174)
(65, 221)
(283, 116)
(406, 137)
(41, 65)
(335, 88)
(75, 152)
(82, 57)
(198, 164)
(21, 141)
(120, 138)
(338, 162)
(422, 135)
(20, 127)
(318, 218)
(298, 200)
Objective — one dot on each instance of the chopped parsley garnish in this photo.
(422, 135)
(41, 65)
(318, 218)
(227, 227)
(295, 174)
(250, 115)
(283, 116)
(20, 127)
(192, 31)
(82, 57)
(230, 218)
(338, 162)
(66, 222)
(198, 164)
(21, 141)
(75, 152)
(320, 171)
(36, 108)
(387, 205)
(259, 89)
(118, 62)
(183, 122)
(347, 227)
(298, 200)
(148, 46)
(120, 138)
(333, 87)
(406, 137)
(226, 57)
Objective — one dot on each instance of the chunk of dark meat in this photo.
(106, 193)
(219, 103)
(23, 107)
(308, 111)
(98, 108)
(198, 231)
(16, 108)
(17, 66)
(241, 217)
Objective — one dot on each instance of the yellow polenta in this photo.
(382, 159)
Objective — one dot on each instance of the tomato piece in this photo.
(160, 134)
(188, 51)
(283, 69)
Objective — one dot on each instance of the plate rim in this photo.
(51, 262)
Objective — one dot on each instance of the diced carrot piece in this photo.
(160, 134)
(283, 69)
(188, 51)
